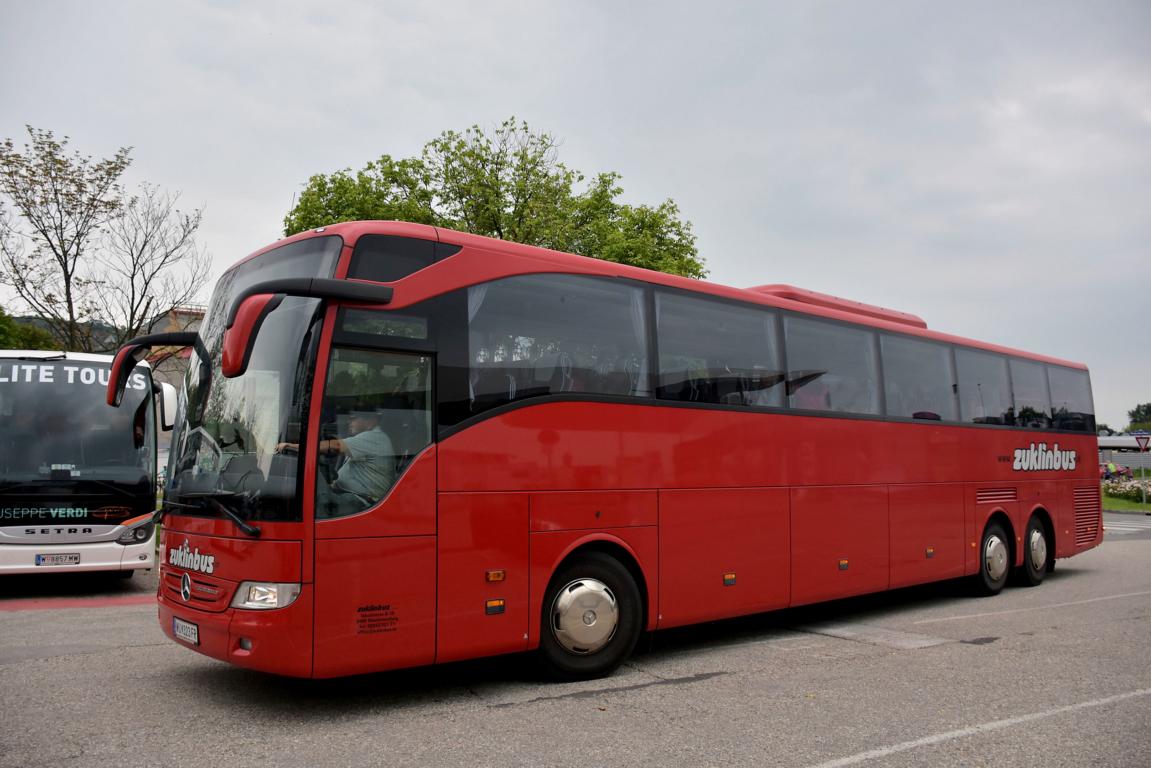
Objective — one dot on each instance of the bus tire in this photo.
(592, 617)
(1036, 553)
(994, 560)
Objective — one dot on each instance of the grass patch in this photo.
(1112, 504)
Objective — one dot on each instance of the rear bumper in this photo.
(277, 641)
(101, 556)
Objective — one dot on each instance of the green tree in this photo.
(94, 264)
(1140, 417)
(508, 184)
(17, 335)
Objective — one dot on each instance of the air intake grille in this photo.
(995, 495)
(1086, 515)
(206, 593)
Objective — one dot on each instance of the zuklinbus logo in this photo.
(1040, 458)
(185, 557)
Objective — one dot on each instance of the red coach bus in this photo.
(399, 445)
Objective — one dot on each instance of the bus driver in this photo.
(367, 467)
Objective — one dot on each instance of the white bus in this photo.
(77, 476)
(1118, 443)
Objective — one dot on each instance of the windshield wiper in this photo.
(213, 499)
(158, 517)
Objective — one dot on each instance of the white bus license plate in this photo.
(186, 631)
(71, 558)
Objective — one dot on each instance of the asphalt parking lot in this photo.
(1051, 676)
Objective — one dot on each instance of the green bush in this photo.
(1124, 489)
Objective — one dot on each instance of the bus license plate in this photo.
(186, 631)
(71, 558)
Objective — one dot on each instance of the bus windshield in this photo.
(56, 430)
(224, 454)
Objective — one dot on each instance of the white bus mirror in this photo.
(167, 406)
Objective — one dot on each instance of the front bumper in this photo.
(101, 556)
(277, 641)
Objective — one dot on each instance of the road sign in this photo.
(1142, 441)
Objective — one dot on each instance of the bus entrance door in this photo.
(375, 513)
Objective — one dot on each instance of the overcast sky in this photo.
(985, 165)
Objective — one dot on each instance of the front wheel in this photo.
(994, 560)
(591, 619)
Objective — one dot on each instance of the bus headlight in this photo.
(137, 534)
(262, 595)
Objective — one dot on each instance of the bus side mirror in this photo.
(167, 406)
(256, 302)
(126, 360)
(240, 336)
(135, 350)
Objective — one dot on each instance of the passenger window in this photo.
(831, 367)
(1032, 402)
(714, 352)
(984, 392)
(555, 334)
(375, 417)
(918, 379)
(1071, 405)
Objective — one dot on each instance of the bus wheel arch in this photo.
(1038, 547)
(996, 554)
(593, 611)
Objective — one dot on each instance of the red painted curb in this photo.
(52, 603)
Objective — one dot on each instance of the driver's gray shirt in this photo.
(369, 468)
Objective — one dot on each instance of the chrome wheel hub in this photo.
(1037, 547)
(584, 616)
(995, 558)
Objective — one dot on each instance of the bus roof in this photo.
(502, 258)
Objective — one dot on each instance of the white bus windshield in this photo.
(56, 429)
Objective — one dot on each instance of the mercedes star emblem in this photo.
(186, 587)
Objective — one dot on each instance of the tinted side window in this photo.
(375, 417)
(712, 352)
(369, 326)
(553, 334)
(1032, 403)
(984, 392)
(918, 379)
(831, 367)
(1071, 404)
(385, 258)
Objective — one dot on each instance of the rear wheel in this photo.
(994, 560)
(591, 619)
(1036, 553)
